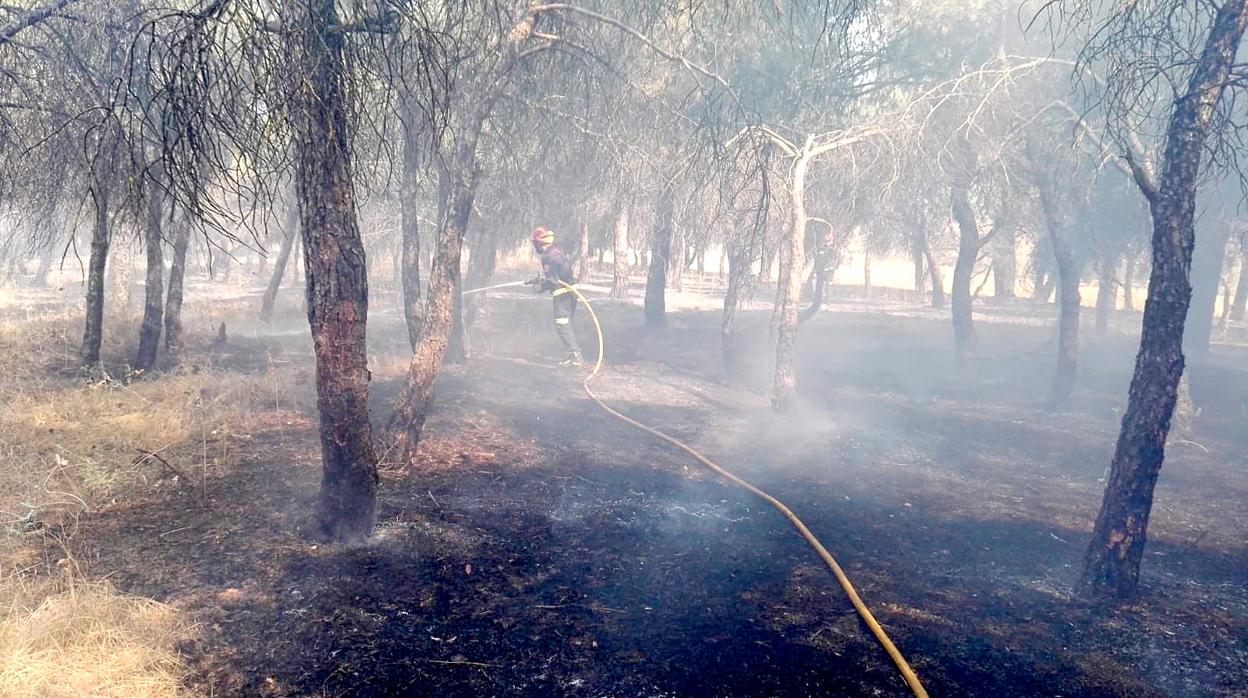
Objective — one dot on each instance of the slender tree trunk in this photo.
(177, 275)
(1112, 563)
(1106, 293)
(789, 294)
(412, 409)
(679, 257)
(337, 280)
(920, 271)
(413, 406)
(154, 291)
(1240, 303)
(582, 266)
(457, 342)
(964, 336)
(866, 273)
(619, 285)
(1004, 263)
(1206, 275)
(409, 213)
(279, 266)
(1068, 300)
(46, 258)
(660, 253)
(934, 275)
(123, 275)
(737, 265)
(100, 238)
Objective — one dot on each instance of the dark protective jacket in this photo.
(556, 267)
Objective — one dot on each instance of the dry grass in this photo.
(70, 446)
(89, 640)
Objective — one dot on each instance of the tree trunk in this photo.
(337, 281)
(100, 238)
(660, 254)
(1206, 276)
(964, 337)
(619, 284)
(1106, 293)
(1004, 263)
(123, 276)
(737, 265)
(412, 409)
(173, 300)
(279, 266)
(409, 213)
(46, 258)
(866, 273)
(1240, 303)
(920, 271)
(1068, 299)
(582, 262)
(679, 258)
(789, 293)
(154, 291)
(1112, 564)
(934, 275)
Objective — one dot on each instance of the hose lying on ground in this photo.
(912, 679)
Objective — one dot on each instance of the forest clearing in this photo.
(503, 347)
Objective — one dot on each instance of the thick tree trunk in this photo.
(337, 281)
(177, 276)
(619, 283)
(1240, 303)
(1112, 564)
(100, 238)
(660, 253)
(789, 293)
(1206, 276)
(1004, 263)
(279, 266)
(154, 291)
(1106, 293)
(965, 340)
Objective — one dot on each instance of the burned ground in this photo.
(538, 546)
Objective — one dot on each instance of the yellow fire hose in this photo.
(903, 666)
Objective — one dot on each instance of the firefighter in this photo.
(557, 278)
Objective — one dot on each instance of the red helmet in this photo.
(543, 236)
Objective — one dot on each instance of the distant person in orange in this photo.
(557, 279)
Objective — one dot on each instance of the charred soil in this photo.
(539, 547)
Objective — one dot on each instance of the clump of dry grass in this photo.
(89, 640)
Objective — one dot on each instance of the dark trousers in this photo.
(565, 309)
